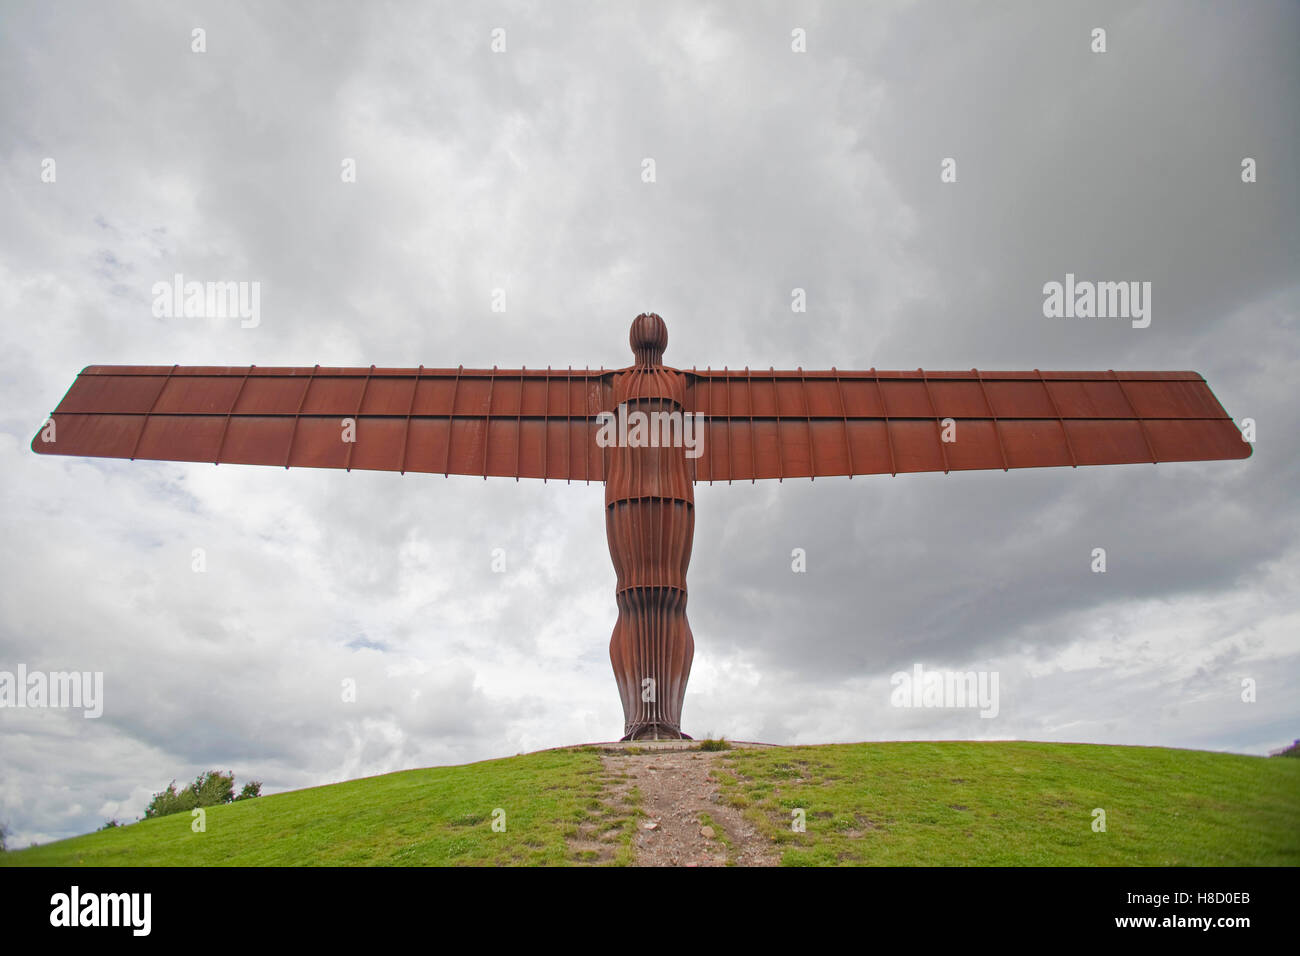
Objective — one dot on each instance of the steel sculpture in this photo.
(649, 433)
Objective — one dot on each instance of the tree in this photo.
(4, 832)
(170, 801)
(251, 790)
(213, 787)
(208, 789)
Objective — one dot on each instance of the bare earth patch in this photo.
(684, 821)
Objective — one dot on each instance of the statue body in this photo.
(650, 524)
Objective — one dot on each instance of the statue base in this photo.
(656, 731)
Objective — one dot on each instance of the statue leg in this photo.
(652, 647)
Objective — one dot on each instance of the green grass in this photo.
(949, 803)
(439, 816)
(1016, 804)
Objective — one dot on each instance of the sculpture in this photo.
(695, 426)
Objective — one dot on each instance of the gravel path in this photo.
(675, 792)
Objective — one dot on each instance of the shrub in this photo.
(171, 801)
(251, 790)
(208, 790)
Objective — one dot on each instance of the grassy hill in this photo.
(945, 803)
(1018, 804)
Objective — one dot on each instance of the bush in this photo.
(251, 790)
(208, 790)
(170, 801)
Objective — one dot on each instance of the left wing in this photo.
(519, 423)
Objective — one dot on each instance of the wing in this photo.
(796, 424)
(521, 423)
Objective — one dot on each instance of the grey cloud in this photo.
(775, 170)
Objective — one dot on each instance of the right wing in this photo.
(802, 424)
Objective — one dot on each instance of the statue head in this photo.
(649, 338)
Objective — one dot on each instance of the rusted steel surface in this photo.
(526, 423)
(535, 423)
(518, 423)
(806, 423)
(650, 524)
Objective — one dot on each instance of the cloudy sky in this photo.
(522, 170)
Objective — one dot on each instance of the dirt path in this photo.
(676, 793)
